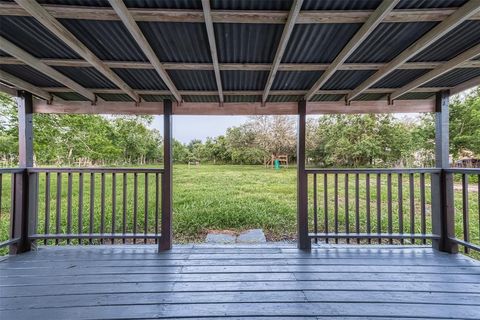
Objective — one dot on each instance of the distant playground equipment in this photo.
(276, 161)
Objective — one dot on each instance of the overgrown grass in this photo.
(227, 197)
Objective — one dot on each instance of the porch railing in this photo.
(464, 184)
(88, 205)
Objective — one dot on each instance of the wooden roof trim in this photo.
(238, 66)
(38, 65)
(24, 85)
(282, 45)
(142, 42)
(52, 24)
(233, 16)
(466, 11)
(213, 46)
(438, 71)
(288, 108)
(372, 22)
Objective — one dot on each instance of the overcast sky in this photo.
(187, 128)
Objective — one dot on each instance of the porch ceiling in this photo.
(214, 53)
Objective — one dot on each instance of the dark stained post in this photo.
(304, 242)
(25, 158)
(443, 210)
(167, 199)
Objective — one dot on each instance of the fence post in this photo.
(19, 220)
(303, 241)
(165, 242)
(443, 209)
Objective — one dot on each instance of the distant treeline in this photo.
(334, 140)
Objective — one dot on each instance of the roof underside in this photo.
(245, 50)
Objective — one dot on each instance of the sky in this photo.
(187, 128)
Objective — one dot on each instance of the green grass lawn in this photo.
(228, 197)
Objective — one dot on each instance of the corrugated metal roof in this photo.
(177, 42)
(70, 96)
(108, 40)
(328, 97)
(371, 96)
(423, 4)
(142, 79)
(244, 80)
(388, 40)
(347, 79)
(251, 4)
(156, 98)
(452, 44)
(417, 96)
(340, 4)
(200, 98)
(318, 43)
(115, 97)
(275, 98)
(202, 80)
(399, 78)
(454, 77)
(243, 98)
(87, 77)
(247, 43)
(30, 75)
(167, 4)
(29, 35)
(295, 80)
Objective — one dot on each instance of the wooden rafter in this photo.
(238, 66)
(233, 16)
(466, 85)
(213, 46)
(52, 24)
(465, 12)
(142, 42)
(282, 45)
(372, 22)
(35, 63)
(188, 108)
(438, 71)
(21, 84)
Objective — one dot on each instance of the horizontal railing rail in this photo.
(7, 204)
(95, 205)
(371, 205)
(466, 207)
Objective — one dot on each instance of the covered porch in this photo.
(72, 256)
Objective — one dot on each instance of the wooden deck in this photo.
(133, 282)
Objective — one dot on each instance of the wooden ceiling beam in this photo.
(213, 46)
(372, 22)
(21, 84)
(142, 42)
(243, 92)
(233, 16)
(237, 66)
(437, 72)
(38, 65)
(282, 45)
(52, 24)
(188, 108)
(465, 12)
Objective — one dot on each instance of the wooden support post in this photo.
(304, 242)
(443, 210)
(20, 216)
(167, 199)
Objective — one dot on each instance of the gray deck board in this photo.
(238, 282)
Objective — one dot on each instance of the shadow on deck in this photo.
(199, 281)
